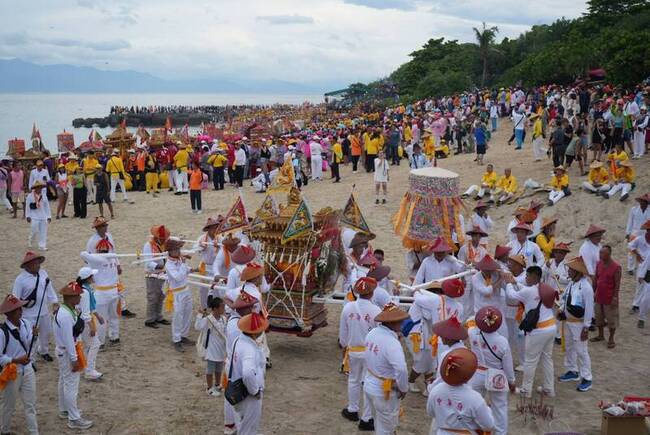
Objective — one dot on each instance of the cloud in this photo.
(403, 5)
(24, 39)
(285, 19)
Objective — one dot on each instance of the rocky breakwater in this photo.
(145, 119)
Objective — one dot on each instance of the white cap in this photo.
(86, 272)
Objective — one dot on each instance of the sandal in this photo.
(611, 345)
(597, 339)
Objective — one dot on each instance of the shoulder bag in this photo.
(236, 391)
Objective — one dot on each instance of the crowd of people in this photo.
(500, 313)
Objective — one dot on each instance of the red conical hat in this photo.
(487, 264)
(11, 303)
(547, 294)
(451, 329)
(391, 313)
(253, 323)
(453, 288)
(379, 272)
(439, 245)
(243, 255)
(594, 229)
(31, 256)
(251, 271)
(488, 319)
(244, 300)
(501, 251)
(365, 286)
(160, 232)
(458, 366)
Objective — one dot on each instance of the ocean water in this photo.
(53, 113)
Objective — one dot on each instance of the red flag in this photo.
(36, 134)
(235, 218)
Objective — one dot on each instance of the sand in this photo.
(148, 388)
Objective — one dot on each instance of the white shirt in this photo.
(499, 345)
(357, 319)
(41, 175)
(458, 407)
(640, 245)
(559, 271)
(590, 253)
(84, 306)
(381, 170)
(14, 348)
(232, 332)
(240, 157)
(485, 294)
(248, 364)
(636, 218)
(432, 269)
(215, 336)
(518, 120)
(530, 250)
(65, 341)
(643, 269)
(208, 248)
(381, 297)
(219, 266)
(385, 358)
(177, 272)
(233, 276)
(529, 296)
(23, 287)
(106, 275)
(513, 223)
(470, 254)
(42, 211)
(91, 245)
(582, 294)
(315, 149)
(426, 309)
(152, 266)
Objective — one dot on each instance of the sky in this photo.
(303, 41)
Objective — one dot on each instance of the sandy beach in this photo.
(150, 389)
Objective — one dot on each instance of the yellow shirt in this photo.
(217, 160)
(598, 176)
(71, 166)
(373, 146)
(560, 183)
(624, 174)
(181, 159)
(115, 166)
(429, 147)
(89, 164)
(617, 157)
(408, 134)
(365, 139)
(537, 128)
(507, 184)
(489, 179)
(337, 150)
(545, 244)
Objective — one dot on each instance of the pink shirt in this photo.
(17, 181)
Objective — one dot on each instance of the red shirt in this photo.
(606, 281)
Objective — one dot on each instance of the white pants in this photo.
(515, 339)
(576, 357)
(38, 228)
(249, 413)
(638, 296)
(44, 330)
(468, 301)
(116, 181)
(91, 347)
(181, 182)
(590, 187)
(355, 385)
(539, 347)
(498, 402)
(501, 195)
(538, 148)
(107, 308)
(316, 167)
(171, 176)
(385, 412)
(639, 143)
(480, 191)
(555, 195)
(631, 266)
(5, 200)
(90, 189)
(423, 361)
(624, 188)
(644, 304)
(25, 386)
(68, 386)
(182, 317)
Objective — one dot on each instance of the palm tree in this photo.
(485, 39)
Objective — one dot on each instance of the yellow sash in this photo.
(545, 323)
(103, 288)
(387, 384)
(416, 341)
(169, 298)
(346, 356)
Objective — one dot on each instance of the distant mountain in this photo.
(18, 76)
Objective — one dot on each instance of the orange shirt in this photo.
(355, 145)
(139, 161)
(196, 179)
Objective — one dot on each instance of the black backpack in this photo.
(529, 322)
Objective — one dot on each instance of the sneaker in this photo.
(151, 325)
(114, 342)
(229, 430)
(383, 201)
(569, 377)
(178, 347)
(352, 416)
(367, 426)
(558, 340)
(187, 341)
(376, 201)
(624, 197)
(163, 322)
(519, 368)
(269, 364)
(81, 423)
(546, 393)
(425, 392)
(413, 388)
(213, 391)
(634, 309)
(584, 385)
(93, 375)
(63, 415)
(47, 357)
(199, 212)
(128, 314)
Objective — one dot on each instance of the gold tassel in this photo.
(169, 301)
(416, 340)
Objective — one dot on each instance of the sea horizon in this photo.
(53, 112)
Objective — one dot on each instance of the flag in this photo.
(185, 132)
(168, 123)
(285, 179)
(235, 218)
(267, 210)
(36, 134)
(98, 137)
(352, 216)
(91, 136)
(300, 223)
(123, 123)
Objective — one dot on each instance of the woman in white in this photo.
(381, 177)
(88, 306)
(316, 158)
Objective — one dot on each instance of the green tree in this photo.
(485, 38)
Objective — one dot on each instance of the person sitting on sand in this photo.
(488, 183)
(559, 186)
(623, 180)
(506, 187)
(597, 179)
